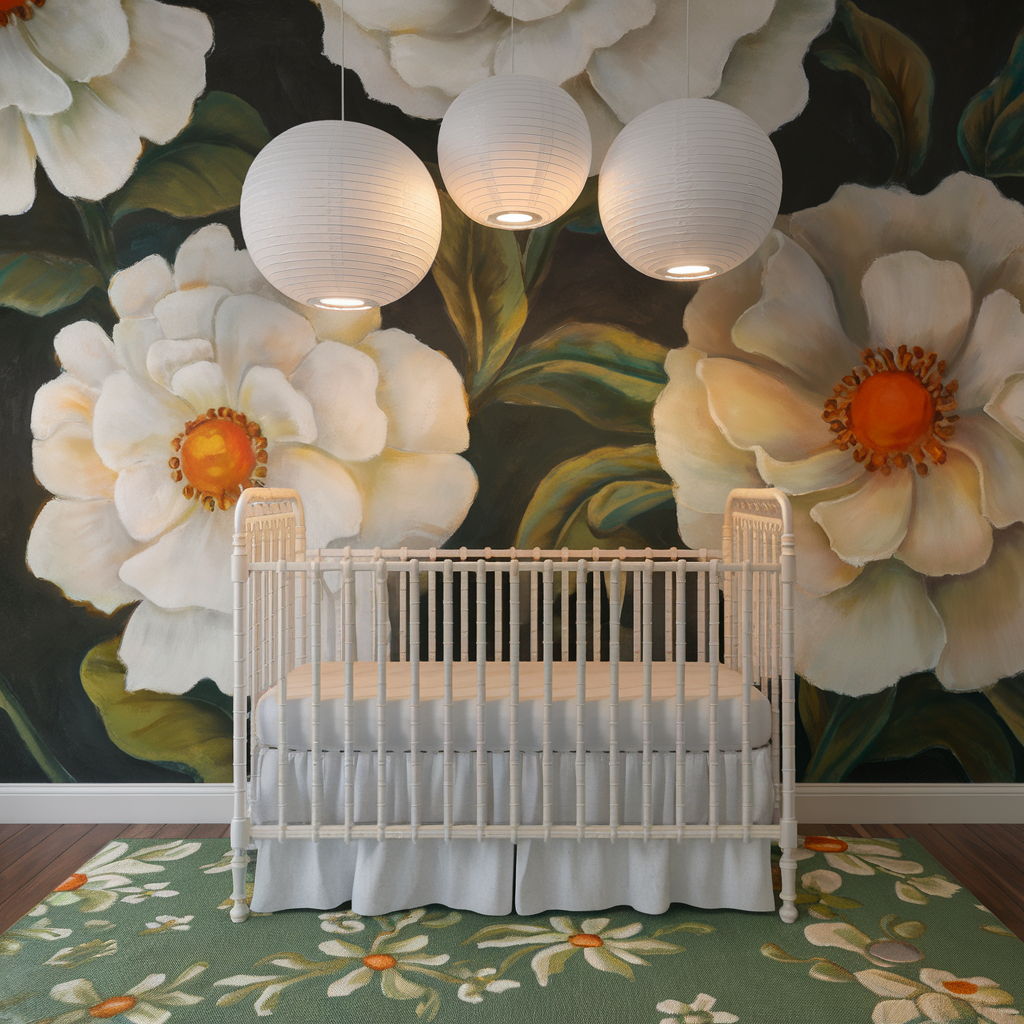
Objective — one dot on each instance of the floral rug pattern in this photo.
(884, 936)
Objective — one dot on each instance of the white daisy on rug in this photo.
(83, 83)
(941, 996)
(42, 929)
(167, 923)
(478, 983)
(698, 1012)
(74, 956)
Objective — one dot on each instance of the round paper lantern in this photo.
(514, 151)
(689, 189)
(340, 215)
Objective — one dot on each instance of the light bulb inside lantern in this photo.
(690, 272)
(348, 304)
(514, 217)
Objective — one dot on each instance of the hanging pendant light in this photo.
(514, 151)
(340, 215)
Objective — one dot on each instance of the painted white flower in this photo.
(75, 956)
(941, 996)
(615, 57)
(389, 960)
(10, 940)
(82, 83)
(868, 361)
(607, 949)
(479, 982)
(341, 922)
(698, 1012)
(214, 382)
(145, 1003)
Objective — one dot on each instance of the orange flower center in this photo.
(76, 881)
(218, 455)
(112, 1007)
(585, 941)
(825, 844)
(894, 407)
(960, 988)
(17, 9)
(379, 961)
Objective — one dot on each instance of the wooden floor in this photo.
(985, 858)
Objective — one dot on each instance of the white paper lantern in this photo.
(689, 189)
(340, 215)
(514, 151)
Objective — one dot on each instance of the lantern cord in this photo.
(513, 36)
(342, 5)
(687, 49)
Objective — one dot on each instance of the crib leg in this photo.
(239, 868)
(787, 865)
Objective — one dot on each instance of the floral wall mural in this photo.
(533, 390)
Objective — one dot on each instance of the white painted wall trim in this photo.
(851, 803)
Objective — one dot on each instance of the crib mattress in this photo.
(531, 708)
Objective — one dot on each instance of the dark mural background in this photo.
(269, 56)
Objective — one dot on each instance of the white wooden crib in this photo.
(577, 729)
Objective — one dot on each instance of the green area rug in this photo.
(141, 933)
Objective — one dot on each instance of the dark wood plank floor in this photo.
(987, 859)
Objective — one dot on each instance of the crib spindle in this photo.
(348, 586)
(282, 700)
(515, 764)
(316, 764)
(581, 699)
(415, 754)
(647, 653)
(713, 753)
(680, 656)
(382, 697)
(448, 642)
(481, 698)
(614, 628)
(747, 667)
(549, 647)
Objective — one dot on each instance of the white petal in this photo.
(447, 64)
(84, 570)
(17, 164)
(189, 313)
(999, 459)
(81, 40)
(85, 351)
(964, 219)
(346, 985)
(758, 409)
(367, 54)
(603, 124)
(994, 352)
(337, 325)
(165, 357)
(871, 522)
(895, 1011)
(254, 331)
(331, 498)
(764, 75)
(202, 385)
(947, 532)
(66, 464)
(26, 83)
(913, 300)
(154, 87)
(148, 501)
(437, 16)
(209, 257)
(594, 925)
(819, 570)
(884, 983)
(795, 323)
(170, 651)
(78, 992)
(648, 66)
(282, 413)
(827, 469)
(868, 635)
(340, 383)
(697, 529)
(88, 150)
(421, 393)
(703, 465)
(59, 402)
(189, 566)
(982, 613)
(131, 424)
(136, 290)
(1007, 406)
(413, 500)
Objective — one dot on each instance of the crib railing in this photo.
(495, 610)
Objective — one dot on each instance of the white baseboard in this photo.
(850, 803)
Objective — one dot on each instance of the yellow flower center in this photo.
(112, 1007)
(17, 9)
(379, 961)
(76, 881)
(894, 407)
(219, 454)
(825, 844)
(585, 941)
(960, 988)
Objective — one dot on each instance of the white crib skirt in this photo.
(478, 876)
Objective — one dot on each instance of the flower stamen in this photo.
(379, 961)
(112, 1007)
(894, 410)
(17, 9)
(585, 941)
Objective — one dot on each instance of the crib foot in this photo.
(788, 912)
(240, 911)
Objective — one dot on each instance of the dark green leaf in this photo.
(617, 503)
(897, 74)
(991, 133)
(826, 970)
(541, 242)
(200, 172)
(853, 725)
(776, 952)
(41, 283)
(1007, 697)
(479, 273)
(925, 715)
(166, 728)
(830, 899)
(608, 376)
(29, 735)
(562, 495)
(815, 711)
